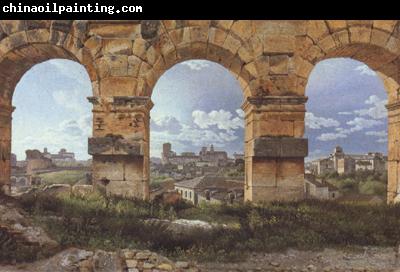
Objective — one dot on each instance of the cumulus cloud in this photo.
(196, 65)
(240, 113)
(365, 70)
(377, 110)
(222, 119)
(331, 136)
(166, 123)
(360, 123)
(215, 127)
(357, 124)
(315, 122)
(381, 134)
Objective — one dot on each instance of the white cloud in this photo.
(240, 113)
(331, 136)
(377, 109)
(382, 140)
(365, 70)
(315, 122)
(196, 65)
(360, 123)
(381, 134)
(222, 119)
(345, 113)
(166, 123)
(357, 124)
(201, 133)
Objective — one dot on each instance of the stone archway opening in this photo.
(346, 125)
(378, 49)
(13, 66)
(197, 125)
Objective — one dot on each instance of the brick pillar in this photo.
(120, 145)
(5, 147)
(274, 148)
(393, 164)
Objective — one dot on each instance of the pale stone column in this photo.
(5, 147)
(274, 148)
(120, 145)
(393, 164)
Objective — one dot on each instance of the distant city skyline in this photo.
(197, 103)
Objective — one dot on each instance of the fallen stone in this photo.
(131, 263)
(182, 264)
(106, 261)
(143, 255)
(165, 266)
(55, 189)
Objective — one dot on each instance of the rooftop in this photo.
(209, 181)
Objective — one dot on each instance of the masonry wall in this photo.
(271, 60)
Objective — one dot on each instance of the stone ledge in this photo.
(280, 147)
(114, 145)
(393, 106)
(258, 101)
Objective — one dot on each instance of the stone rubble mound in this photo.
(127, 260)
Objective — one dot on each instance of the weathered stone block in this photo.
(360, 34)
(278, 64)
(129, 30)
(118, 46)
(335, 25)
(279, 44)
(379, 38)
(317, 29)
(149, 28)
(114, 145)
(281, 147)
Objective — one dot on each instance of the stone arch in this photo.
(24, 44)
(229, 43)
(373, 42)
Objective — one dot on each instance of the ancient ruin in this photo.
(272, 60)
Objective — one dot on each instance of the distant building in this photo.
(323, 166)
(210, 189)
(320, 189)
(342, 163)
(345, 165)
(13, 160)
(36, 161)
(215, 157)
(238, 156)
(62, 156)
(211, 157)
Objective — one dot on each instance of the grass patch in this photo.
(63, 177)
(113, 223)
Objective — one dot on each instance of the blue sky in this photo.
(51, 109)
(198, 103)
(346, 107)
